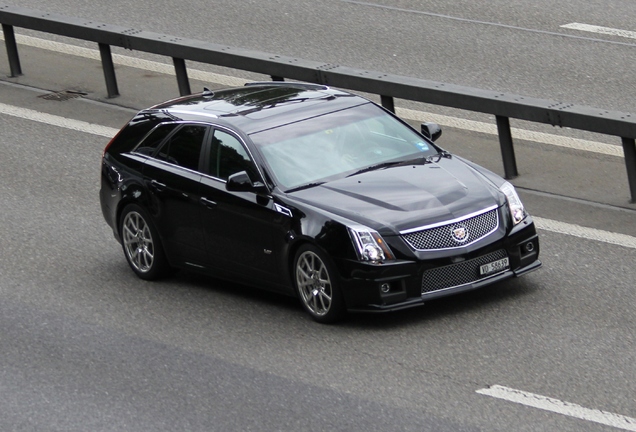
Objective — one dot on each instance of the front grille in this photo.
(442, 237)
(458, 274)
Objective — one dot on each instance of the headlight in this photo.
(517, 211)
(369, 245)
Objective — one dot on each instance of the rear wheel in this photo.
(317, 285)
(141, 244)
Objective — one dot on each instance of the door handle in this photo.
(156, 185)
(208, 203)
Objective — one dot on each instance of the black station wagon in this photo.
(312, 192)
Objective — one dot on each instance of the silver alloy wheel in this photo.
(138, 242)
(314, 284)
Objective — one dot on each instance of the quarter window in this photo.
(184, 147)
(155, 138)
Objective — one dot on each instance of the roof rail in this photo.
(307, 86)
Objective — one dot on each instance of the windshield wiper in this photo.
(384, 165)
(305, 186)
(379, 166)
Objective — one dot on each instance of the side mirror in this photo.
(431, 131)
(241, 182)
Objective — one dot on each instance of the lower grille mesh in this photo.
(458, 274)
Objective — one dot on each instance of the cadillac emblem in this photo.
(459, 233)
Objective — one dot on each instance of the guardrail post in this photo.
(387, 102)
(629, 148)
(12, 50)
(507, 148)
(182, 76)
(109, 70)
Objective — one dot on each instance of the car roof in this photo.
(260, 106)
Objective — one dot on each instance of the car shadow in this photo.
(484, 299)
(235, 289)
(480, 300)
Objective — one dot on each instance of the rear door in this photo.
(172, 177)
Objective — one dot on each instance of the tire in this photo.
(142, 247)
(317, 286)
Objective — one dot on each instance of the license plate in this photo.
(494, 267)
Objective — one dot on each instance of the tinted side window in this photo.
(228, 156)
(128, 138)
(184, 147)
(152, 141)
(130, 135)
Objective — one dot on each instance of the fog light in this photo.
(529, 247)
(385, 288)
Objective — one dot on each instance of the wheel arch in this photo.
(291, 257)
(134, 195)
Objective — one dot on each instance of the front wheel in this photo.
(317, 285)
(141, 244)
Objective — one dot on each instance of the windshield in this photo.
(337, 144)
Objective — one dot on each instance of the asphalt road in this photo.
(504, 45)
(85, 345)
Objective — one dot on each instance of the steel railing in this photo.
(502, 105)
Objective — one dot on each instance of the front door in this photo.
(244, 234)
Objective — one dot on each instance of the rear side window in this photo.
(184, 147)
(155, 138)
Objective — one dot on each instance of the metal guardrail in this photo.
(504, 106)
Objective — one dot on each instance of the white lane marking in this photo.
(50, 119)
(485, 23)
(108, 132)
(585, 232)
(600, 30)
(409, 114)
(560, 407)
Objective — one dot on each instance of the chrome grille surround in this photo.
(442, 235)
(463, 273)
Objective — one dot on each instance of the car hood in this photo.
(404, 197)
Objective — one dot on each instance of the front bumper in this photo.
(403, 284)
